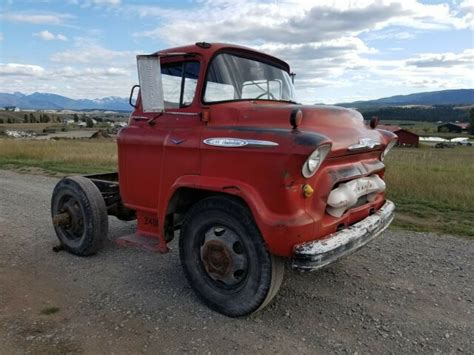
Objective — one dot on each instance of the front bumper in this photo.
(316, 254)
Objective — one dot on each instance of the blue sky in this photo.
(340, 50)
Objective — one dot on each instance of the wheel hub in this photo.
(216, 258)
(69, 218)
(223, 256)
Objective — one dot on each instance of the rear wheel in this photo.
(225, 259)
(79, 215)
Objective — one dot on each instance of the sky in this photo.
(341, 51)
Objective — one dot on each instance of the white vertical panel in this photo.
(151, 88)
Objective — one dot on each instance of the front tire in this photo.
(225, 259)
(79, 215)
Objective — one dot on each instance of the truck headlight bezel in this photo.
(314, 161)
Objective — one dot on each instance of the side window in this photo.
(179, 83)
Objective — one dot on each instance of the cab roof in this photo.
(208, 50)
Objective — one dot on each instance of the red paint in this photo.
(155, 161)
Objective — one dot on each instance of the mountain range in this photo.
(45, 101)
(444, 97)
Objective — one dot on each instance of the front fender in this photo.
(274, 227)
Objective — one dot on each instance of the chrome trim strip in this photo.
(364, 143)
(181, 113)
(230, 142)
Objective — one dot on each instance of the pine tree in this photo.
(89, 122)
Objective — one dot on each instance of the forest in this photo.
(445, 113)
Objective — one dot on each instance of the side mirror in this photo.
(132, 100)
(151, 87)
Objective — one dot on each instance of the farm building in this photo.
(457, 127)
(12, 108)
(405, 137)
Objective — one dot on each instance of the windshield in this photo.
(236, 78)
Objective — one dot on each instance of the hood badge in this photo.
(229, 142)
(177, 140)
(364, 143)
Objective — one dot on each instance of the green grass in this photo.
(433, 189)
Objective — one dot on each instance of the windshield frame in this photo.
(255, 56)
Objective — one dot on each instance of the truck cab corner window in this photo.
(179, 83)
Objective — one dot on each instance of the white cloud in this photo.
(391, 34)
(322, 41)
(330, 44)
(95, 3)
(86, 51)
(49, 36)
(21, 69)
(75, 82)
(289, 21)
(106, 2)
(37, 18)
(95, 72)
(444, 60)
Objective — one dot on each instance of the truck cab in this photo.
(219, 151)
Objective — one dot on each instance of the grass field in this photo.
(61, 156)
(432, 188)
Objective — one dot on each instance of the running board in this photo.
(141, 241)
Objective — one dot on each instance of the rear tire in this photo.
(83, 230)
(225, 258)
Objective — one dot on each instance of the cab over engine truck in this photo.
(218, 151)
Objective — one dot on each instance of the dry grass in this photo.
(433, 188)
(64, 156)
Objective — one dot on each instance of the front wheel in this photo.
(225, 259)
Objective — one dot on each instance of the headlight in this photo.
(314, 160)
(388, 148)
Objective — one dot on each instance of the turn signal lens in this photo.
(314, 161)
(307, 190)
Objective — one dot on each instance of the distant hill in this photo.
(433, 98)
(46, 101)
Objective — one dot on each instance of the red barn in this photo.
(405, 137)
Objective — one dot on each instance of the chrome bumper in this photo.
(316, 254)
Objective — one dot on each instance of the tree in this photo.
(32, 118)
(471, 121)
(89, 122)
(76, 118)
(25, 118)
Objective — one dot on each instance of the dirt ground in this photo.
(404, 293)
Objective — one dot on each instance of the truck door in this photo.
(159, 147)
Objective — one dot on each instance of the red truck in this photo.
(219, 152)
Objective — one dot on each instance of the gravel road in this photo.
(404, 293)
